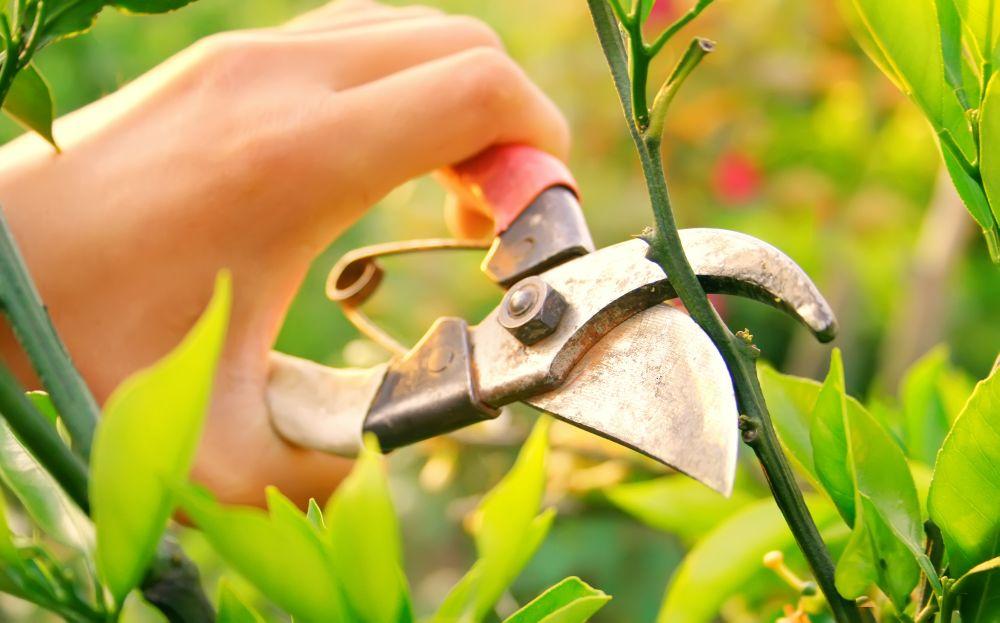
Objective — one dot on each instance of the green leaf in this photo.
(232, 609)
(507, 533)
(149, 6)
(830, 441)
(315, 515)
(364, 534)
(147, 439)
(287, 560)
(974, 198)
(982, 20)
(42, 498)
(864, 471)
(964, 499)
(8, 551)
(932, 393)
(676, 504)
(979, 593)
(569, 601)
(989, 131)
(908, 36)
(68, 18)
(44, 405)
(29, 102)
(790, 400)
(721, 564)
(951, 48)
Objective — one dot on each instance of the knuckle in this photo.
(227, 59)
(475, 31)
(492, 80)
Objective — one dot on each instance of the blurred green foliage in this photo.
(787, 133)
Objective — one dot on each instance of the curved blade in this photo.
(729, 262)
(656, 383)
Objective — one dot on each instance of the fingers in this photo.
(444, 111)
(375, 51)
(345, 14)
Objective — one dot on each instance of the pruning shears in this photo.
(582, 334)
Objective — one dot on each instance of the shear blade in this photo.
(656, 384)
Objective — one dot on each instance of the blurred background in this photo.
(787, 132)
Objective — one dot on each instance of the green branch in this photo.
(172, 583)
(739, 355)
(34, 330)
(40, 437)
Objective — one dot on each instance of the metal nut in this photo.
(531, 310)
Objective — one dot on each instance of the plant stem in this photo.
(39, 436)
(739, 355)
(934, 549)
(33, 327)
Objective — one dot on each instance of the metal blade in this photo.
(656, 384)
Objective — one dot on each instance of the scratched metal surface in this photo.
(657, 384)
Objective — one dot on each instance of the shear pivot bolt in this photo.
(522, 300)
(531, 310)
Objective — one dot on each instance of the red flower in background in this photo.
(662, 13)
(735, 178)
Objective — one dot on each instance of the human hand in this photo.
(251, 150)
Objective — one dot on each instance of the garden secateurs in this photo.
(582, 334)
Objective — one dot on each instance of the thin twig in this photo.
(740, 357)
(672, 29)
(34, 330)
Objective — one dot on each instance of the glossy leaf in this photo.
(146, 439)
(908, 35)
(51, 510)
(286, 559)
(974, 197)
(149, 6)
(43, 403)
(8, 552)
(932, 394)
(569, 601)
(865, 473)
(507, 533)
(68, 18)
(979, 592)
(982, 20)
(951, 48)
(989, 131)
(964, 499)
(676, 504)
(790, 400)
(364, 534)
(232, 609)
(315, 514)
(722, 563)
(29, 102)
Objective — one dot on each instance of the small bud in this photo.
(774, 559)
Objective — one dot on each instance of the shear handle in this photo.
(504, 180)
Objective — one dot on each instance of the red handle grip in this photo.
(503, 180)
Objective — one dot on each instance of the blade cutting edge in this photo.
(656, 384)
